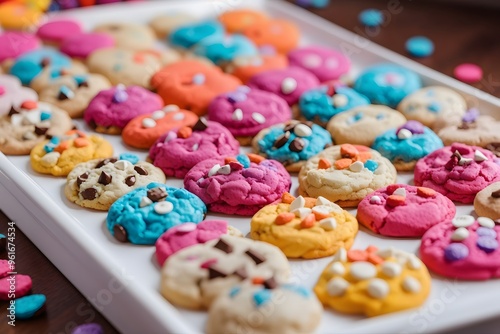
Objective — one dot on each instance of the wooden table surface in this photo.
(460, 33)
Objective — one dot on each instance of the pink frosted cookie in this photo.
(189, 234)
(14, 43)
(458, 171)
(465, 248)
(12, 94)
(247, 111)
(22, 284)
(82, 45)
(238, 186)
(288, 83)
(57, 30)
(325, 63)
(111, 110)
(401, 210)
(178, 150)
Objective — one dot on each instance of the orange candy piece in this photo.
(354, 255)
(62, 147)
(287, 198)
(371, 249)
(374, 258)
(308, 222)
(227, 160)
(320, 215)
(29, 104)
(81, 142)
(426, 192)
(395, 200)
(348, 151)
(324, 164)
(255, 158)
(343, 163)
(257, 280)
(185, 132)
(310, 202)
(283, 218)
(363, 156)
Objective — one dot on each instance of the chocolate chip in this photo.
(105, 178)
(92, 124)
(62, 96)
(215, 273)
(201, 125)
(89, 194)
(241, 273)
(45, 62)
(289, 126)
(157, 194)
(496, 194)
(74, 127)
(297, 145)
(270, 283)
(467, 125)
(452, 162)
(82, 178)
(48, 136)
(13, 111)
(140, 170)
(282, 140)
(106, 161)
(83, 84)
(40, 131)
(120, 233)
(255, 256)
(224, 246)
(3, 243)
(494, 147)
(130, 180)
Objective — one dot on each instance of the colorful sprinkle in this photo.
(304, 292)
(234, 291)
(455, 252)
(130, 157)
(371, 17)
(44, 115)
(262, 297)
(419, 46)
(486, 232)
(244, 160)
(487, 244)
(324, 164)
(371, 165)
(284, 218)
(471, 115)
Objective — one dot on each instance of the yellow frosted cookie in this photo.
(305, 227)
(59, 155)
(373, 282)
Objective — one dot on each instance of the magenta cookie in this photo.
(186, 235)
(111, 109)
(14, 43)
(82, 45)
(247, 111)
(465, 248)
(325, 63)
(458, 171)
(57, 30)
(12, 94)
(401, 210)
(238, 186)
(177, 151)
(22, 285)
(288, 83)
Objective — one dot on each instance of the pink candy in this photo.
(14, 286)
(469, 73)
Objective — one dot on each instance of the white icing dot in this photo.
(386, 253)
(158, 114)
(356, 167)
(145, 201)
(413, 262)
(297, 203)
(411, 284)
(170, 108)
(391, 269)
(148, 123)
(479, 156)
(375, 199)
(463, 221)
(213, 170)
(340, 255)
(50, 159)
(337, 268)
(237, 115)
(337, 286)
(378, 288)
(400, 192)
(224, 170)
(122, 164)
(328, 224)
(460, 234)
(312, 61)
(362, 270)
(288, 86)
(259, 118)
(195, 147)
(404, 134)
(186, 227)
(302, 130)
(339, 100)
(164, 207)
(179, 116)
(486, 222)
(302, 212)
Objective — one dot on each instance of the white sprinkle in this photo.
(337, 286)
(259, 118)
(171, 135)
(33, 116)
(404, 134)
(158, 114)
(362, 270)
(465, 161)
(328, 224)
(148, 123)
(302, 212)
(486, 222)
(213, 170)
(145, 201)
(479, 156)
(411, 284)
(391, 269)
(386, 253)
(400, 192)
(463, 221)
(337, 268)
(224, 170)
(413, 262)
(356, 167)
(50, 159)
(375, 199)
(340, 100)
(122, 164)
(302, 130)
(322, 201)
(297, 203)
(340, 255)
(237, 115)
(288, 86)
(378, 288)
(170, 108)
(460, 234)
(179, 116)
(164, 207)
(195, 147)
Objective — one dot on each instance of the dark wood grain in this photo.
(460, 33)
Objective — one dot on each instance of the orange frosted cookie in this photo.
(281, 34)
(235, 21)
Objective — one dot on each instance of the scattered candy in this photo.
(371, 17)
(378, 288)
(420, 46)
(288, 85)
(90, 328)
(324, 164)
(30, 306)
(468, 73)
(455, 252)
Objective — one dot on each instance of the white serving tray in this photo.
(122, 280)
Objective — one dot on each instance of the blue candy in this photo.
(262, 297)
(371, 17)
(419, 46)
(306, 293)
(55, 140)
(234, 291)
(45, 115)
(244, 160)
(371, 165)
(27, 306)
(132, 158)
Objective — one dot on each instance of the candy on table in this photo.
(419, 46)
(469, 73)
(371, 17)
(313, 3)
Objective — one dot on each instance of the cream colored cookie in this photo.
(432, 104)
(195, 276)
(59, 155)
(361, 125)
(305, 227)
(345, 174)
(265, 308)
(132, 36)
(28, 125)
(129, 67)
(97, 184)
(487, 201)
(48, 75)
(373, 282)
(74, 93)
(481, 132)
(165, 23)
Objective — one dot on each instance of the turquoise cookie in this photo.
(322, 103)
(31, 64)
(144, 214)
(405, 145)
(292, 143)
(221, 49)
(188, 35)
(29, 306)
(387, 84)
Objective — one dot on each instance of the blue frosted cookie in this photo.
(31, 64)
(188, 35)
(322, 103)
(387, 84)
(221, 49)
(144, 214)
(405, 145)
(292, 143)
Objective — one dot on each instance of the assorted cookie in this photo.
(471, 129)
(245, 67)
(190, 34)
(179, 150)
(283, 35)
(98, 183)
(129, 35)
(12, 94)
(144, 214)
(223, 49)
(487, 201)
(306, 228)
